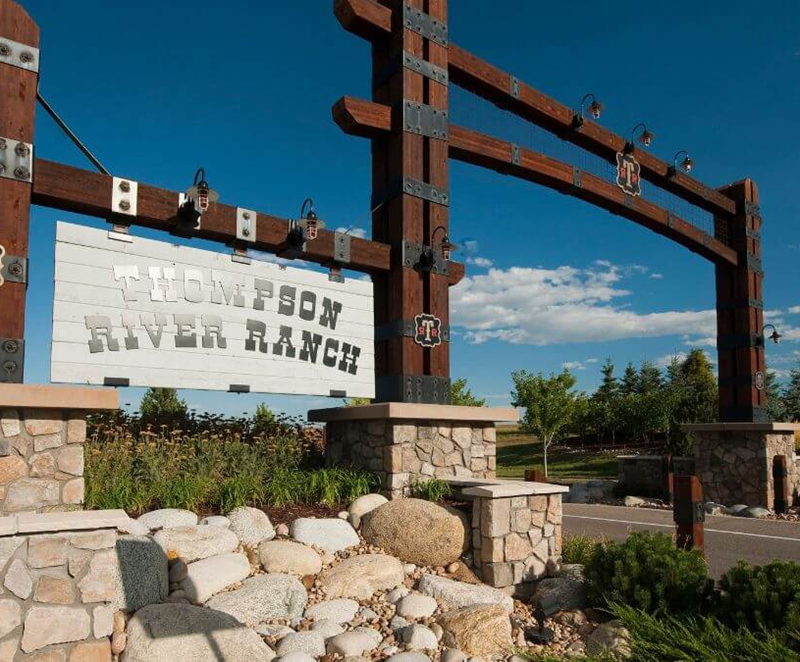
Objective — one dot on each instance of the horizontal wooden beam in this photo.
(362, 118)
(84, 192)
(370, 20)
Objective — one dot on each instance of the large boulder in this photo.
(361, 576)
(207, 577)
(339, 611)
(167, 518)
(455, 595)
(142, 574)
(192, 543)
(251, 525)
(568, 593)
(611, 639)
(417, 531)
(477, 631)
(354, 643)
(289, 557)
(330, 535)
(263, 598)
(366, 503)
(311, 643)
(189, 633)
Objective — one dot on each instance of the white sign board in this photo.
(157, 314)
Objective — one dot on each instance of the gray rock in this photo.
(216, 520)
(573, 571)
(167, 518)
(352, 643)
(142, 576)
(396, 594)
(367, 614)
(418, 637)
(209, 576)
(361, 576)
(341, 610)
(398, 623)
(737, 508)
(186, 632)
(311, 643)
(410, 656)
(453, 655)
(757, 512)
(364, 504)
(611, 638)
(251, 525)
(569, 593)
(330, 535)
(716, 509)
(263, 598)
(327, 628)
(192, 543)
(134, 527)
(416, 606)
(455, 595)
(277, 631)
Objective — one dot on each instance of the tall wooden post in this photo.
(740, 307)
(410, 201)
(688, 513)
(19, 65)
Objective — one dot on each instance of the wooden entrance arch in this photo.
(413, 64)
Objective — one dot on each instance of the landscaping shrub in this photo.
(211, 463)
(579, 549)
(666, 638)
(649, 573)
(766, 596)
(433, 489)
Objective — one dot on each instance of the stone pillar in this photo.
(734, 461)
(404, 443)
(59, 573)
(516, 531)
(42, 432)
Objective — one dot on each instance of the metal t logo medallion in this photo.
(628, 170)
(428, 330)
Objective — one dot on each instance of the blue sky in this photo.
(245, 89)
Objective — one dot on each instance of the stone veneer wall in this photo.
(59, 590)
(642, 475)
(41, 460)
(404, 451)
(515, 538)
(736, 466)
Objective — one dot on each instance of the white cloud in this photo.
(794, 310)
(482, 262)
(573, 365)
(664, 361)
(353, 231)
(656, 276)
(536, 306)
(592, 360)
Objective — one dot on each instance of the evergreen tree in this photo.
(649, 378)
(791, 396)
(674, 370)
(461, 395)
(775, 405)
(609, 387)
(630, 381)
(162, 405)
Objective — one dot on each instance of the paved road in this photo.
(728, 539)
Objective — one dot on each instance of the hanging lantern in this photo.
(446, 248)
(687, 164)
(202, 194)
(309, 221)
(596, 109)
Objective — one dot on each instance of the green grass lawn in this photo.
(517, 452)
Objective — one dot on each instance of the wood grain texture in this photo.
(17, 108)
(87, 284)
(371, 21)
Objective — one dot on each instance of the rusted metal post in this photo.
(689, 513)
(535, 476)
(780, 479)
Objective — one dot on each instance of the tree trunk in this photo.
(545, 458)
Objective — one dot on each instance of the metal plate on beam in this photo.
(737, 304)
(754, 263)
(424, 120)
(576, 177)
(341, 247)
(412, 253)
(12, 360)
(424, 24)
(415, 187)
(124, 197)
(16, 160)
(752, 209)
(423, 389)
(514, 87)
(412, 63)
(13, 269)
(246, 225)
(19, 55)
(515, 155)
(116, 381)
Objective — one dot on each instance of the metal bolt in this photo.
(15, 269)
(124, 205)
(10, 367)
(5, 49)
(21, 149)
(26, 57)
(21, 172)
(124, 186)
(246, 216)
(10, 346)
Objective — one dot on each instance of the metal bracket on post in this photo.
(182, 228)
(670, 219)
(752, 209)
(514, 87)
(415, 187)
(412, 257)
(405, 329)
(341, 247)
(424, 24)
(239, 388)
(13, 269)
(12, 360)
(754, 263)
(424, 120)
(576, 177)
(16, 160)
(116, 382)
(412, 63)
(19, 55)
(124, 202)
(245, 234)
